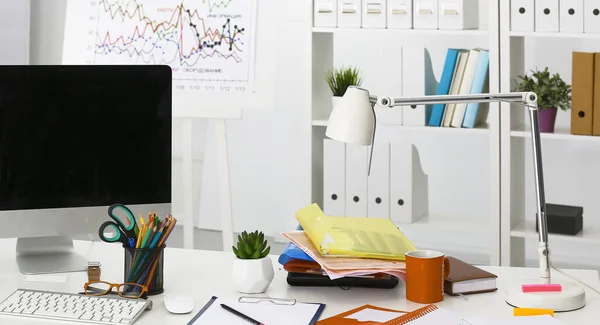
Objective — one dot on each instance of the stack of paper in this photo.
(339, 267)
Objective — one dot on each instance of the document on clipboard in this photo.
(263, 310)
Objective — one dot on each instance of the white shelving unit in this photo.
(443, 230)
(518, 225)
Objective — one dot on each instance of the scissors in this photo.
(123, 227)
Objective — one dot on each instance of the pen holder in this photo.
(145, 266)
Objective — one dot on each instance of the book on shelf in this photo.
(465, 72)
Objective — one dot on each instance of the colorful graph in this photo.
(203, 41)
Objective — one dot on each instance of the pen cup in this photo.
(145, 266)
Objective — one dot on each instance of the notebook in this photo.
(373, 315)
(269, 311)
(465, 278)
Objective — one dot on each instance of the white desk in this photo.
(202, 274)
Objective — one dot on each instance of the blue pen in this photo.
(131, 242)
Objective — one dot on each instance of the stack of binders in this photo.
(465, 72)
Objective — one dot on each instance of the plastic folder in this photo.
(353, 236)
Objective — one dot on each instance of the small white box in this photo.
(591, 16)
(325, 13)
(522, 15)
(546, 16)
(374, 14)
(400, 14)
(425, 14)
(349, 13)
(571, 16)
(458, 14)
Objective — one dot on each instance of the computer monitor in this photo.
(73, 141)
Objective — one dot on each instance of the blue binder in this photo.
(481, 75)
(293, 252)
(437, 112)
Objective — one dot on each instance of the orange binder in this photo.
(343, 319)
(596, 116)
(582, 93)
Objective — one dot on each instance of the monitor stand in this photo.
(43, 255)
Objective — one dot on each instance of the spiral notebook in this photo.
(428, 315)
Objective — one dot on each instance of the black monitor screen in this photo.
(81, 136)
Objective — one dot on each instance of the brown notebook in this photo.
(465, 278)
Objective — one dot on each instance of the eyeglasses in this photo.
(125, 290)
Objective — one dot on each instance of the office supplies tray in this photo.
(317, 280)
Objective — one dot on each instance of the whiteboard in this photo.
(174, 31)
(14, 32)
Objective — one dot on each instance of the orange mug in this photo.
(425, 274)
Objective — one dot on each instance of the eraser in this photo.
(541, 287)
(533, 312)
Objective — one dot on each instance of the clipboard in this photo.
(268, 310)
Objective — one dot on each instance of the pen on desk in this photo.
(237, 313)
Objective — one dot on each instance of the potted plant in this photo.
(252, 269)
(552, 92)
(340, 79)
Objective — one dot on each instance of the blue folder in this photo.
(293, 252)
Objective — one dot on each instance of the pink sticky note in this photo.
(541, 287)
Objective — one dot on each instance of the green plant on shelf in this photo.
(341, 78)
(251, 246)
(552, 91)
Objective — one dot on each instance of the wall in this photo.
(46, 42)
(270, 175)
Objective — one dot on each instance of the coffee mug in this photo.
(425, 274)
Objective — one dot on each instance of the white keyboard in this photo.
(73, 307)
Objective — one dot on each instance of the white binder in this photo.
(546, 15)
(334, 177)
(374, 14)
(409, 191)
(571, 16)
(356, 180)
(325, 13)
(591, 16)
(399, 14)
(522, 15)
(425, 14)
(349, 13)
(378, 191)
(458, 14)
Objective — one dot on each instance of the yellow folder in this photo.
(353, 236)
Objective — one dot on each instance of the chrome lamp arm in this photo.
(526, 99)
(353, 121)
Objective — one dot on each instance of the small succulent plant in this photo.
(251, 246)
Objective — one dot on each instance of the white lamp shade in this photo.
(353, 119)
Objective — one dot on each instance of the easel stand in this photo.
(224, 183)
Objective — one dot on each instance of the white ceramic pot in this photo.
(335, 100)
(252, 276)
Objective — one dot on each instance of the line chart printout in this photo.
(207, 43)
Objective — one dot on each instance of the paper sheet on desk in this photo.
(338, 267)
(265, 312)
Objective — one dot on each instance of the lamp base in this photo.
(572, 297)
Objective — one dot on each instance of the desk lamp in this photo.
(353, 121)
